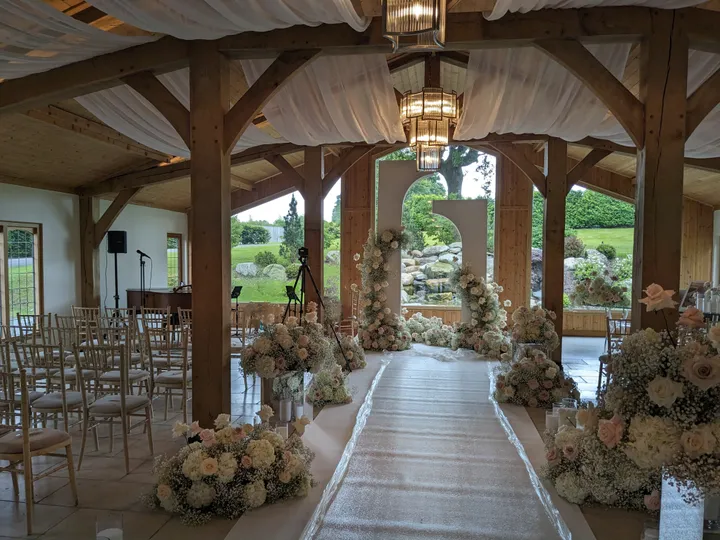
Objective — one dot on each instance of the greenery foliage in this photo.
(623, 267)
(254, 234)
(588, 270)
(574, 247)
(236, 229)
(294, 234)
(332, 234)
(265, 258)
(607, 250)
(292, 269)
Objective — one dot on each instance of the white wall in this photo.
(59, 215)
(147, 230)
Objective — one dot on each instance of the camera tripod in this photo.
(298, 302)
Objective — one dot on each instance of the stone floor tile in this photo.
(82, 525)
(175, 530)
(97, 494)
(12, 518)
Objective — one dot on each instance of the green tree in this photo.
(336, 210)
(331, 233)
(254, 234)
(451, 168)
(294, 234)
(421, 218)
(279, 222)
(236, 228)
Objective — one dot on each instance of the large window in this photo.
(20, 271)
(174, 259)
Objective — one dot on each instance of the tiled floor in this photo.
(103, 485)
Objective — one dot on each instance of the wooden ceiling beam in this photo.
(518, 157)
(702, 102)
(149, 86)
(94, 130)
(347, 159)
(265, 191)
(584, 166)
(112, 212)
(284, 167)
(240, 182)
(578, 60)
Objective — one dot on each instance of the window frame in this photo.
(180, 256)
(39, 281)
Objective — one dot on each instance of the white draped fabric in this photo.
(54, 38)
(523, 6)
(212, 19)
(523, 90)
(334, 99)
(128, 112)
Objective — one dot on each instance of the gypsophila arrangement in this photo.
(381, 328)
(535, 325)
(485, 333)
(329, 387)
(430, 331)
(587, 466)
(229, 470)
(353, 351)
(290, 347)
(602, 290)
(533, 381)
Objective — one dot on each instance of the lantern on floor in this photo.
(414, 24)
(428, 157)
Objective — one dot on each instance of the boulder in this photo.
(332, 257)
(438, 285)
(451, 258)
(439, 269)
(455, 250)
(408, 262)
(536, 269)
(416, 253)
(419, 276)
(571, 263)
(426, 260)
(595, 256)
(406, 279)
(404, 296)
(490, 266)
(411, 269)
(439, 298)
(274, 272)
(455, 245)
(434, 250)
(247, 269)
(408, 289)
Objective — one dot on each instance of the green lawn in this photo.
(266, 290)
(620, 239)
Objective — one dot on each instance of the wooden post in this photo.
(89, 258)
(210, 231)
(312, 192)
(660, 164)
(513, 232)
(357, 199)
(554, 234)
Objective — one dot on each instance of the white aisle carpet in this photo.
(433, 461)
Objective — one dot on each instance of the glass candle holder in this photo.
(109, 526)
(552, 422)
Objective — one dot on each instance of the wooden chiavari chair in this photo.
(110, 406)
(350, 325)
(20, 444)
(616, 332)
(85, 320)
(175, 378)
(115, 337)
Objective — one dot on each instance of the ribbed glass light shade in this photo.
(428, 132)
(415, 24)
(428, 104)
(428, 157)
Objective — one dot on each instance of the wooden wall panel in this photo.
(513, 232)
(697, 242)
(357, 218)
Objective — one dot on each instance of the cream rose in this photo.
(699, 440)
(164, 492)
(664, 391)
(302, 353)
(610, 432)
(702, 371)
(714, 334)
(209, 467)
(658, 298)
(652, 501)
(692, 318)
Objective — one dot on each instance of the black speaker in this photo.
(117, 241)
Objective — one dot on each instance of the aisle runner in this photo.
(434, 462)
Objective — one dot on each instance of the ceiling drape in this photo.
(502, 7)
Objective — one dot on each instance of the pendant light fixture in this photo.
(414, 24)
(428, 157)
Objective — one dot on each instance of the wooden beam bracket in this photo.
(515, 155)
(584, 166)
(347, 159)
(111, 214)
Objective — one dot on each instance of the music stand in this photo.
(235, 295)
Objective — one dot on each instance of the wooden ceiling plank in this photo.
(585, 165)
(575, 57)
(240, 182)
(282, 165)
(250, 104)
(405, 60)
(702, 102)
(149, 86)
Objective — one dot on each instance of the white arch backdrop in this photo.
(470, 218)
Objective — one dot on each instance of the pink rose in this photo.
(238, 434)
(544, 395)
(692, 318)
(552, 456)
(499, 385)
(547, 384)
(207, 435)
(533, 384)
(195, 427)
(610, 432)
(303, 341)
(658, 298)
(246, 461)
(652, 501)
(570, 451)
(532, 402)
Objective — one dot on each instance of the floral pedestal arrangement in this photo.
(535, 326)
(229, 470)
(329, 387)
(524, 350)
(287, 389)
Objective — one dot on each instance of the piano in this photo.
(180, 297)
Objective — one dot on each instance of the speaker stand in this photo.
(117, 293)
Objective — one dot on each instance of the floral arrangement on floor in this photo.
(354, 353)
(229, 470)
(485, 331)
(290, 347)
(329, 386)
(587, 465)
(602, 290)
(430, 331)
(381, 328)
(665, 391)
(535, 325)
(534, 381)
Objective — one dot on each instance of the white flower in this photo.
(180, 429)
(209, 467)
(356, 257)
(262, 345)
(394, 244)
(163, 492)
(300, 425)
(714, 334)
(222, 421)
(265, 413)
(274, 438)
(302, 353)
(664, 391)
(200, 495)
(550, 373)
(386, 236)
(261, 452)
(571, 487)
(255, 494)
(265, 367)
(699, 440)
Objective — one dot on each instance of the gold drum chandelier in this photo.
(414, 24)
(427, 116)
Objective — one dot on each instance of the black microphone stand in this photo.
(142, 279)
